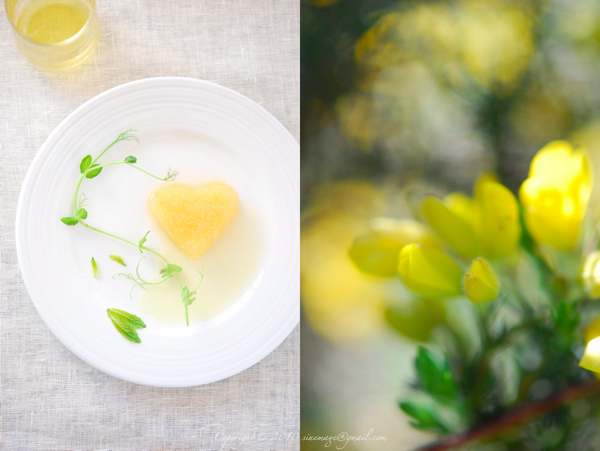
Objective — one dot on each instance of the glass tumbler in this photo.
(54, 35)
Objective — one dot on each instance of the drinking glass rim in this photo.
(51, 44)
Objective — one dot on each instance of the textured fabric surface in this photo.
(51, 400)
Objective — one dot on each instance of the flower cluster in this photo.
(477, 247)
(467, 236)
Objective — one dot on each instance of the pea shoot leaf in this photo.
(69, 220)
(94, 172)
(170, 270)
(81, 213)
(130, 159)
(126, 323)
(118, 259)
(142, 241)
(85, 163)
(94, 268)
(187, 296)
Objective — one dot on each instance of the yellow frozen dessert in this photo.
(194, 217)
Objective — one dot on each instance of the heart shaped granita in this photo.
(194, 217)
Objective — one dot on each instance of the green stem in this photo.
(82, 222)
(122, 137)
(162, 179)
(76, 205)
(510, 420)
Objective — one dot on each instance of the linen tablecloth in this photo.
(52, 400)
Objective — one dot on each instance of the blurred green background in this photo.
(402, 97)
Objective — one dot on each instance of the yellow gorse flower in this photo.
(451, 225)
(556, 194)
(486, 225)
(591, 356)
(376, 252)
(429, 272)
(481, 284)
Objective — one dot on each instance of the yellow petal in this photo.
(429, 272)
(481, 284)
(558, 162)
(482, 180)
(500, 228)
(451, 227)
(593, 330)
(591, 275)
(551, 217)
(591, 356)
(465, 207)
(556, 194)
(375, 255)
(376, 252)
(404, 231)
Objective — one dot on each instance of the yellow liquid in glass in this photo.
(50, 21)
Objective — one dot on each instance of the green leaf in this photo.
(187, 296)
(94, 268)
(566, 319)
(170, 270)
(118, 259)
(130, 159)
(126, 318)
(85, 163)
(130, 334)
(424, 416)
(81, 213)
(434, 375)
(142, 241)
(126, 323)
(69, 220)
(94, 172)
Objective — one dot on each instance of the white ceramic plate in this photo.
(207, 132)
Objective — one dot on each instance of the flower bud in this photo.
(429, 272)
(481, 284)
(376, 252)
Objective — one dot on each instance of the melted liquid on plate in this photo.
(231, 264)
